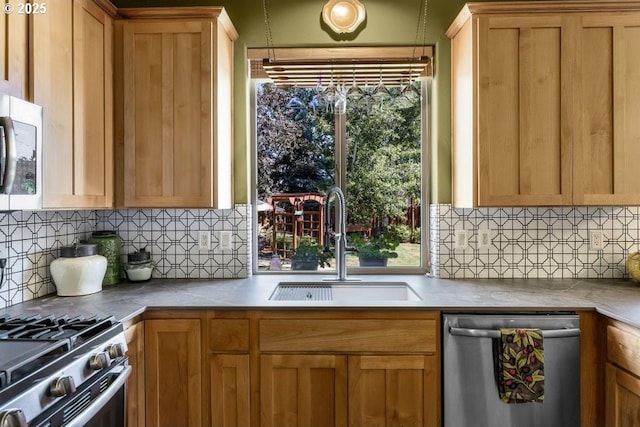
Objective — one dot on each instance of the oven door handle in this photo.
(90, 411)
(492, 333)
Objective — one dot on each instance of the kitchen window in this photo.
(366, 136)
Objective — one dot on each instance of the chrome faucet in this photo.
(340, 234)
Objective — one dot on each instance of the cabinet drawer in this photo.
(229, 335)
(623, 349)
(349, 335)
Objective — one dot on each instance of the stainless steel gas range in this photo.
(62, 371)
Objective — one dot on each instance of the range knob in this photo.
(100, 361)
(62, 386)
(116, 350)
(13, 418)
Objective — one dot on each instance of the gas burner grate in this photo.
(77, 329)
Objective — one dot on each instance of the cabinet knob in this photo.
(100, 361)
(62, 386)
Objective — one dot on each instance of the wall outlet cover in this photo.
(204, 240)
(596, 240)
(484, 238)
(462, 240)
(225, 240)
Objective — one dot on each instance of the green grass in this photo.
(408, 256)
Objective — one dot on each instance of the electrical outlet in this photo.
(204, 240)
(225, 240)
(484, 238)
(596, 240)
(462, 239)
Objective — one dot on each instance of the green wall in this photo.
(297, 23)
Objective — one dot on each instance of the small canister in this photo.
(139, 266)
(79, 270)
(109, 246)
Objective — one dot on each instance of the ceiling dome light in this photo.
(343, 16)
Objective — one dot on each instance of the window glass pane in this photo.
(296, 152)
(383, 178)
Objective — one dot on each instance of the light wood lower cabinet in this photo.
(337, 390)
(287, 369)
(394, 390)
(136, 381)
(355, 369)
(229, 395)
(623, 398)
(622, 376)
(303, 390)
(173, 371)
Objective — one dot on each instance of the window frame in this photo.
(425, 136)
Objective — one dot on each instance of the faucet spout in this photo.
(340, 234)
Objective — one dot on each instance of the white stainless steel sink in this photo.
(344, 291)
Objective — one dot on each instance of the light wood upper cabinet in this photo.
(511, 139)
(73, 81)
(14, 54)
(543, 101)
(177, 81)
(607, 102)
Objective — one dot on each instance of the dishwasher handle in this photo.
(493, 333)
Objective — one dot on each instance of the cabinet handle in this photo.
(492, 333)
(8, 160)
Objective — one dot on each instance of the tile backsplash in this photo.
(171, 235)
(525, 242)
(538, 242)
(31, 238)
(27, 239)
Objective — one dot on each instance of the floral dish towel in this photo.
(520, 365)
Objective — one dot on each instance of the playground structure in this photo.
(294, 215)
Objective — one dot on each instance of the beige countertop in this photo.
(618, 299)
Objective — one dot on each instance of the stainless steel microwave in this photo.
(20, 154)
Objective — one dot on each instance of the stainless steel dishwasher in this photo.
(470, 346)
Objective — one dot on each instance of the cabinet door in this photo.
(73, 81)
(135, 383)
(173, 373)
(524, 139)
(230, 394)
(622, 398)
(386, 391)
(167, 113)
(14, 52)
(608, 107)
(92, 184)
(303, 390)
